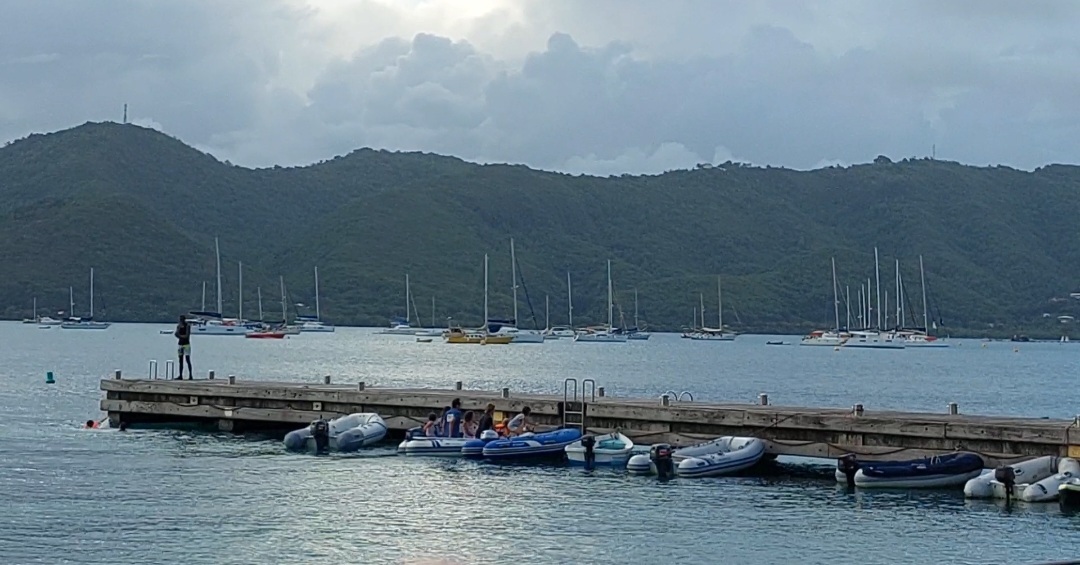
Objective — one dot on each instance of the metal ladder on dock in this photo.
(574, 409)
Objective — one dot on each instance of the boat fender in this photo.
(589, 443)
(1007, 477)
(320, 430)
(848, 465)
(660, 454)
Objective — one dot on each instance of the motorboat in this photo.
(608, 449)
(722, 456)
(532, 445)
(559, 332)
(398, 326)
(923, 340)
(711, 334)
(265, 334)
(1069, 495)
(75, 323)
(939, 471)
(508, 328)
(212, 323)
(601, 336)
(1034, 480)
(344, 434)
(313, 325)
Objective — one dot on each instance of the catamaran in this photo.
(874, 338)
(604, 335)
(88, 323)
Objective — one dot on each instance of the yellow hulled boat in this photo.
(480, 337)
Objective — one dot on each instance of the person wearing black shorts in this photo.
(183, 347)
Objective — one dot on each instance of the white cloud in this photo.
(603, 86)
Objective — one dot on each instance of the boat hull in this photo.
(951, 470)
(347, 433)
(600, 338)
(735, 454)
(86, 326)
(613, 450)
(435, 446)
(531, 446)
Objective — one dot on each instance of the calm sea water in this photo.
(74, 496)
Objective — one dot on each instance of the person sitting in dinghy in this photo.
(430, 425)
(452, 425)
(520, 424)
(468, 425)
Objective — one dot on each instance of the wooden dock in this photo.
(250, 405)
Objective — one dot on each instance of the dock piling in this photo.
(506, 392)
(763, 399)
(116, 374)
(210, 375)
(232, 379)
(600, 392)
(857, 410)
(360, 386)
(457, 385)
(954, 409)
(326, 380)
(665, 400)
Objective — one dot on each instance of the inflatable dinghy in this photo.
(347, 433)
(609, 449)
(530, 445)
(721, 456)
(941, 471)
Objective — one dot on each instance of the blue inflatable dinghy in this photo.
(942, 471)
(529, 445)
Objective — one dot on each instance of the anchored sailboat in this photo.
(480, 336)
(834, 337)
(607, 335)
(88, 323)
(713, 334)
(315, 324)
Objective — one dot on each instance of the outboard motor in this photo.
(320, 430)
(589, 443)
(660, 454)
(848, 465)
(1007, 477)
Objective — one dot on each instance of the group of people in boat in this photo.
(455, 423)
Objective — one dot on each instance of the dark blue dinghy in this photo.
(941, 471)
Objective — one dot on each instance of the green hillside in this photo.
(143, 209)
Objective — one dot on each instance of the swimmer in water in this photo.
(90, 424)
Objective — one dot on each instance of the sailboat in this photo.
(433, 331)
(923, 338)
(606, 335)
(88, 323)
(480, 336)
(635, 333)
(43, 322)
(309, 324)
(556, 332)
(509, 327)
(212, 323)
(831, 338)
(874, 338)
(713, 334)
(401, 326)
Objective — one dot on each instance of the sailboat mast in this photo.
(701, 300)
(720, 305)
(485, 291)
(610, 306)
(203, 297)
(35, 308)
(258, 290)
(877, 278)
(569, 301)
(922, 277)
(240, 284)
(547, 312)
(847, 304)
(513, 269)
(284, 316)
(899, 297)
(217, 253)
(433, 311)
(636, 324)
(318, 313)
(869, 308)
(71, 302)
(408, 300)
(835, 298)
(91, 293)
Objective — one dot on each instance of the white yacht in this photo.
(557, 332)
(604, 335)
(834, 337)
(873, 339)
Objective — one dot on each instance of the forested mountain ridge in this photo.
(1000, 245)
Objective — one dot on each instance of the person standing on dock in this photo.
(183, 347)
(452, 427)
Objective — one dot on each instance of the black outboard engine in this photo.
(589, 443)
(660, 455)
(1007, 477)
(320, 430)
(848, 465)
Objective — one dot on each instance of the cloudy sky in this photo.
(596, 86)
